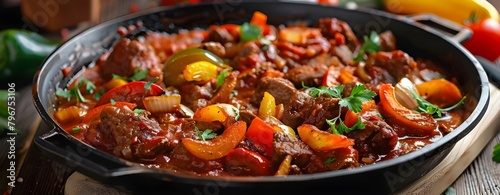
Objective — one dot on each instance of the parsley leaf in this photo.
(149, 83)
(429, 108)
(354, 102)
(221, 77)
(496, 153)
(112, 101)
(138, 75)
(75, 129)
(139, 111)
(332, 92)
(330, 160)
(371, 45)
(205, 135)
(249, 32)
(75, 91)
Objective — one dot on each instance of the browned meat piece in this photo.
(249, 57)
(284, 145)
(302, 108)
(376, 138)
(280, 88)
(131, 55)
(216, 48)
(221, 35)
(192, 95)
(342, 158)
(343, 53)
(391, 66)
(387, 41)
(310, 75)
(330, 26)
(134, 136)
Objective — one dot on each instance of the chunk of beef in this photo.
(195, 96)
(216, 48)
(331, 26)
(220, 35)
(280, 88)
(387, 41)
(250, 56)
(341, 158)
(284, 145)
(128, 56)
(135, 136)
(391, 66)
(309, 75)
(343, 53)
(376, 138)
(302, 108)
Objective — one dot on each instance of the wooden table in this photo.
(467, 170)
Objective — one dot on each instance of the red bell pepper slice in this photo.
(245, 162)
(260, 134)
(131, 92)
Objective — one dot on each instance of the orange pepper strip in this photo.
(322, 140)
(440, 92)
(218, 147)
(416, 123)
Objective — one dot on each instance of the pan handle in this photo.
(450, 29)
(82, 158)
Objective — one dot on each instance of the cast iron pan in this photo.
(385, 177)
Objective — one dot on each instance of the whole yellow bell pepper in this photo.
(455, 10)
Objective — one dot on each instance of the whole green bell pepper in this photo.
(21, 53)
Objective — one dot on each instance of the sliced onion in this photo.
(158, 104)
(403, 92)
(186, 111)
(284, 167)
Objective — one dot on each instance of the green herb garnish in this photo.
(139, 111)
(371, 45)
(221, 77)
(429, 108)
(205, 135)
(75, 91)
(112, 101)
(249, 32)
(496, 153)
(147, 86)
(359, 94)
(75, 129)
(330, 160)
(138, 75)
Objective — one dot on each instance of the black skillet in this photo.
(385, 177)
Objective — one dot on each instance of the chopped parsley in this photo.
(139, 111)
(75, 129)
(330, 160)
(371, 45)
(496, 153)
(205, 135)
(221, 77)
(112, 101)
(236, 114)
(147, 86)
(429, 108)
(138, 75)
(75, 91)
(359, 94)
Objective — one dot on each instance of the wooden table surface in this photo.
(39, 175)
(477, 174)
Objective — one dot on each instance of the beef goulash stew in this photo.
(260, 100)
